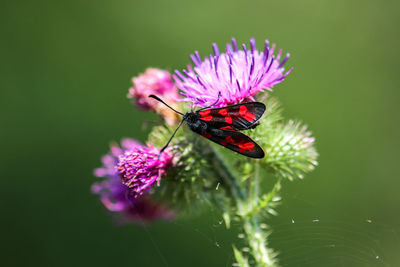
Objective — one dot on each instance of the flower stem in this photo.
(256, 239)
(255, 235)
(254, 184)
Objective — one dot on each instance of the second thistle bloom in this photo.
(118, 197)
(157, 82)
(236, 75)
(140, 168)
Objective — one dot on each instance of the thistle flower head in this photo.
(290, 150)
(157, 82)
(118, 197)
(140, 168)
(111, 159)
(231, 77)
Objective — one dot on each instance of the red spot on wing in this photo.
(242, 110)
(207, 135)
(205, 115)
(223, 143)
(246, 146)
(228, 119)
(223, 112)
(207, 118)
(205, 112)
(229, 139)
(229, 128)
(249, 116)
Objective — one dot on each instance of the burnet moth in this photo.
(222, 125)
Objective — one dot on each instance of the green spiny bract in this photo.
(191, 181)
(289, 148)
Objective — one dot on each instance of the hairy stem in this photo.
(254, 184)
(256, 239)
(255, 235)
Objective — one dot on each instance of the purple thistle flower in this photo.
(236, 75)
(118, 197)
(140, 168)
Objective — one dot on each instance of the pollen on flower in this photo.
(231, 77)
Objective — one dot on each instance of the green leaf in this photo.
(266, 202)
(227, 219)
(240, 259)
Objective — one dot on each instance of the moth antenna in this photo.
(160, 100)
(169, 141)
(219, 94)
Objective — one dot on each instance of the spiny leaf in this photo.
(241, 260)
(266, 202)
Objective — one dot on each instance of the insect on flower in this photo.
(222, 125)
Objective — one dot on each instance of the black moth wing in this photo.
(233, 140)
(235, 117)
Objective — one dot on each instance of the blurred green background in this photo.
(65, 70)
